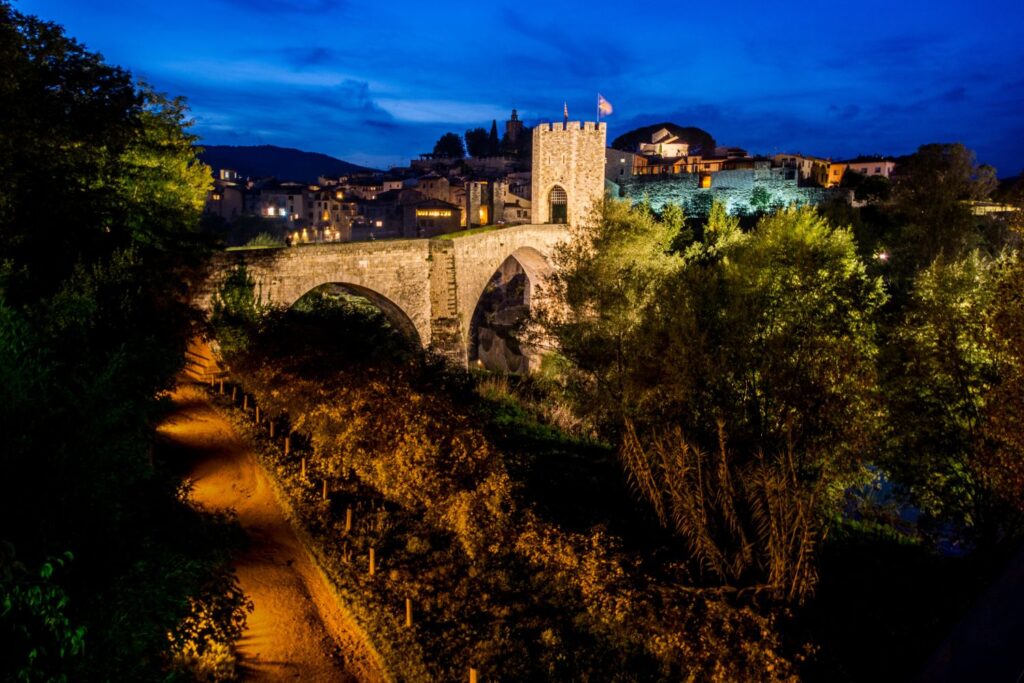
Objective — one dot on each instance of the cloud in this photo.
(845, 112)
(572, 53)
(311, 7)
(342, 119)
(306, 57)
(385, 84)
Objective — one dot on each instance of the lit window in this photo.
(380, 224)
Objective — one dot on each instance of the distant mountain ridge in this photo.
(283, 163)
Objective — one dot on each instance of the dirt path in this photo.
(297, 630)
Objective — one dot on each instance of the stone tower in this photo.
(568, 171)
(513, 128)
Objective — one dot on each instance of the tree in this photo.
(874, 188)
(607, 277)
(954, 381)
(999, 462)
(477, 142)
(522, 148)
(735, 373)
(938, 368)
(771, 332)
(449, 146)
(760, 200)
(493, 142)
(929, 198)
(100, 247)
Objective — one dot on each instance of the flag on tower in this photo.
(565, 110)
(604, 107)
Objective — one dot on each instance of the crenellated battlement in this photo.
(571, 126)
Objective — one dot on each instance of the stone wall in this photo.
(478, 257)
(572, 156)
(743, 191)
(389, 273)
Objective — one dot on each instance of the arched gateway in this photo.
(559, 205)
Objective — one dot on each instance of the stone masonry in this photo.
(427, 288)
(571, 156)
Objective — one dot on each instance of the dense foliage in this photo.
(769, 332)
(99, 212)
(449, 146)
(778, 401)
(770, 385)
(440, 492)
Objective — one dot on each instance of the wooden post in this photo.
(325, 489)
(408, 613)
(472, 675)
(257, 420)
(222, 387)
(348, 519)
(287, 444)
(303, 467)
(373, 562)
(271, 429)
(245, 401)
(234, 394)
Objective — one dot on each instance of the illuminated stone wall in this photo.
(571, 156)
(742, 191)
(428, 288)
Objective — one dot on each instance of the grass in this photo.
(254, 248)
(446, 236)
(467, 233)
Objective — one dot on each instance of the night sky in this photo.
(378, 82)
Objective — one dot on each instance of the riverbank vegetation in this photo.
(739, 435)
(106, 573)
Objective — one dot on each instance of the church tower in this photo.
(568, 171)
(513, 129)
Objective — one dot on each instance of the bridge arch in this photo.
(517, 282)
(392, 312)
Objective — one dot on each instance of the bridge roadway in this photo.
(429, 288)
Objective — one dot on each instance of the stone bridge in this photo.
(428, 288)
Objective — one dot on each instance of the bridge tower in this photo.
(568, 171)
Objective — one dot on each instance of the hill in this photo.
(283, 163)
(700, 140)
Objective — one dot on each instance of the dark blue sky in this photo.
(379, 82)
